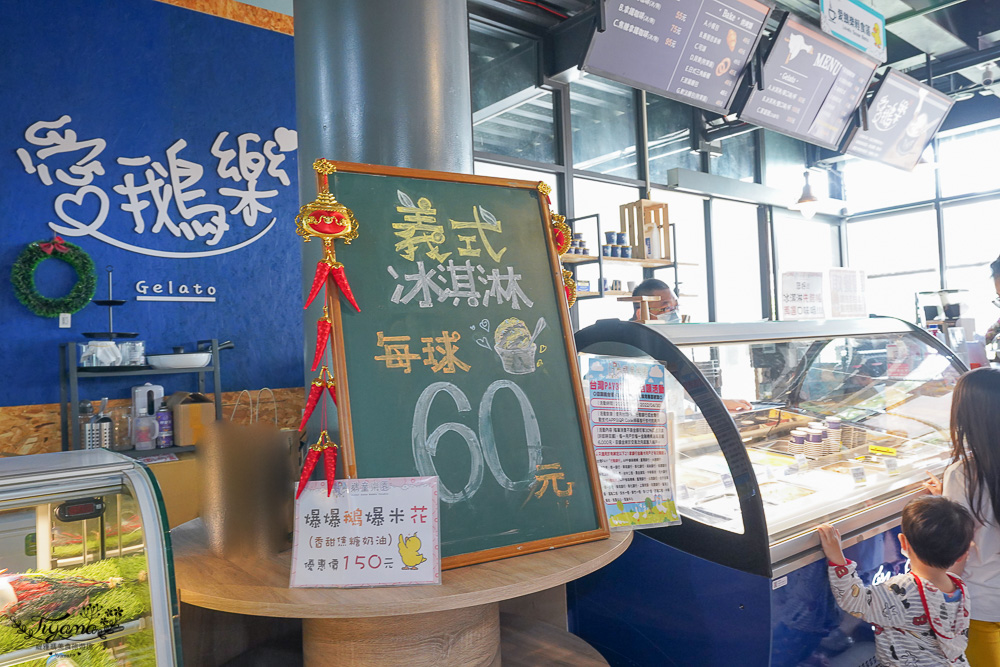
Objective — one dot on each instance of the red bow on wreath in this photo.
(57, 245)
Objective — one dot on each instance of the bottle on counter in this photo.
(165, 424)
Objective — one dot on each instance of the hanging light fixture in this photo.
(807, 204)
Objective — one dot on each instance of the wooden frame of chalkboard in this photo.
(462, 363)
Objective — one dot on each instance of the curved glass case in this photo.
(85, 567)
(877, 392)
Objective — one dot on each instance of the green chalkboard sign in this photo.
(461, 363)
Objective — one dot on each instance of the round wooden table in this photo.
(456, 623)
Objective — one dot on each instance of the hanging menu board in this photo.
(903, 117)
(694, 51)
(812, 85)
(461, 362)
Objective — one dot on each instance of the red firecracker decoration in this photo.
(328, 220)
(546, 190)
(561, 233)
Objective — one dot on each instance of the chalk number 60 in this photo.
(482, 448)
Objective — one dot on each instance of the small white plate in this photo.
(186, 360)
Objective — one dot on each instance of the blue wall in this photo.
(142, 75)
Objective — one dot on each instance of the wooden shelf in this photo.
(647, 263)
(578, 259)
(616, 292)
(588, 295)
(143, 453)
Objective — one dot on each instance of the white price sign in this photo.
(368, 532)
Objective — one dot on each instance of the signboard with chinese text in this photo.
(694, 51)
(812, 85)
(139, 138)
(802, 295)
(631, 428)
(903, 117)
(847, 293)
(461, 364)
(368, 532)
(854, 23)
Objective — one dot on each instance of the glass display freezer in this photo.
(743, 574)
(85, 566)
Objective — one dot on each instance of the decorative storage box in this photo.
(648, 227)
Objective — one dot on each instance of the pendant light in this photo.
(807, 203)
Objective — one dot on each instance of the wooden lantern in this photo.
(648, 227)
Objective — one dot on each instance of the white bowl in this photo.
(186, 360)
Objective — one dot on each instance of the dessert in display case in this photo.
(86, 577)
(847, 419)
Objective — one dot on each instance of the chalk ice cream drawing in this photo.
(515, 345)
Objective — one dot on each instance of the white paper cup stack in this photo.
(797, 442)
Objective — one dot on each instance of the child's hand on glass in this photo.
(829, 539)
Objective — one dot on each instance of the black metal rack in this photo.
(69, 390)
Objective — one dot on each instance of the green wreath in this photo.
(22, 275)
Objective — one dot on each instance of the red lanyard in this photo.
(923, 600)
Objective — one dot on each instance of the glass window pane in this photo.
(603, 199)
(526, 130)
(962, 160)
(687, 214)
(899, 256)
(737, 264)
(502, 63)
(893, 244)
(803, 245)
(869, 185)
(737, 160)
(969, 257)
(603, 115)
(977, 280)
(669, 132)
(504, 171)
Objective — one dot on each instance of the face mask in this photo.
(670, 318)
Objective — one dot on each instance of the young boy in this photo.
(922, 617)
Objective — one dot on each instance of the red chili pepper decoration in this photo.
(315, 393)
(312, 458)
(330, 461)
(328, 451)
(337, 271)
(323, 327)
(322, 270)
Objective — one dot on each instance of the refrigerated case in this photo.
(85, 566)
(743, 575)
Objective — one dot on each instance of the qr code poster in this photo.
(368, 532)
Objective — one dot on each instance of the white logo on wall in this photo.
(147, 194)
(171, 291)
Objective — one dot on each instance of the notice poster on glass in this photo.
(802, 295)
(631, 429)
(847, 293)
